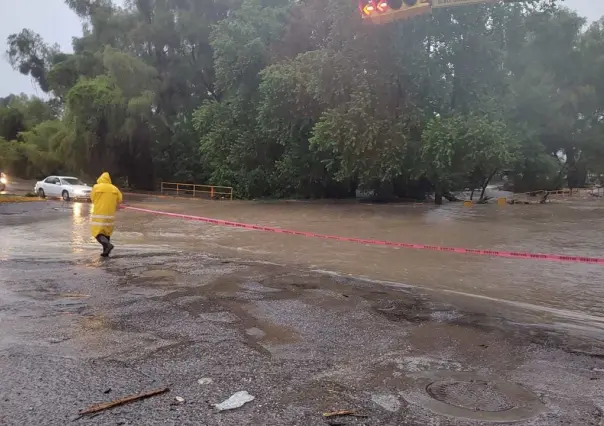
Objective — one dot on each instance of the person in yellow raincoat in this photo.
(105, 199)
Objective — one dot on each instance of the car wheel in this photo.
(2, 187)
(65, 196)
(41, 193)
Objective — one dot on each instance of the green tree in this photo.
(28, 53)
(232, 146)
(301, 98)
(462, 150)
(12, 122)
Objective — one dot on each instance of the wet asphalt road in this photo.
(77, 330)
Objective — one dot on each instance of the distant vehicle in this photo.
(65, 187)
(3, 181)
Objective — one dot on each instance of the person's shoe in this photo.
(107, 247)
(105, 243)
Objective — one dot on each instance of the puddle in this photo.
(162, 274)
(94, 323)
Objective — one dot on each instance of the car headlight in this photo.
(3, 180)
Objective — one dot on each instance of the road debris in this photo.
(352, 413)
(126, 400)
(205, 381)
(74, 296)
(238, 399)
(338, 413)
(179, 400)
(54, 341)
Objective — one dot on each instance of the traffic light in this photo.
(383, 11)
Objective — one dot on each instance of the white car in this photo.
(65, 187)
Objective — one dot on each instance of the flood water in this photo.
(548, 291)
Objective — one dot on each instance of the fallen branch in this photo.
(343, 413)
(451, 197)
(74, 296)
(126, 400)
(338, 413)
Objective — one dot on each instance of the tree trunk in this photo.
(472, 195)
(438, 197)
(484, 189)
(576, 176)
(139, 160)
(485, 184)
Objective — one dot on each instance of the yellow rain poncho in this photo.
(105, 199)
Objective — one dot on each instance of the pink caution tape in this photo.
(492, 253)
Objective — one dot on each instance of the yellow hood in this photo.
(104, 178)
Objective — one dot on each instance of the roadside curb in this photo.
(19, 199)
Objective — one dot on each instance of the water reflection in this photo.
(79, 236)
(45, 230)
(77, 210)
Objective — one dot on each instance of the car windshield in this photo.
(72, 181)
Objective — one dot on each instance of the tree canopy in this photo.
(283, 98)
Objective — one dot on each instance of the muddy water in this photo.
(551, 291)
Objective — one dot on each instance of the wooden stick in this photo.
(74, 295)
(339, 413)
(106, 405)
(352, 413)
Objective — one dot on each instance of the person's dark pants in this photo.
(105, 241)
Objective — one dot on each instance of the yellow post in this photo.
(211, 192)
(502, 201)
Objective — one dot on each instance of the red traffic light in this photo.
(382, 11)
(367, 7)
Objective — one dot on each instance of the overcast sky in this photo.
(57, 24)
